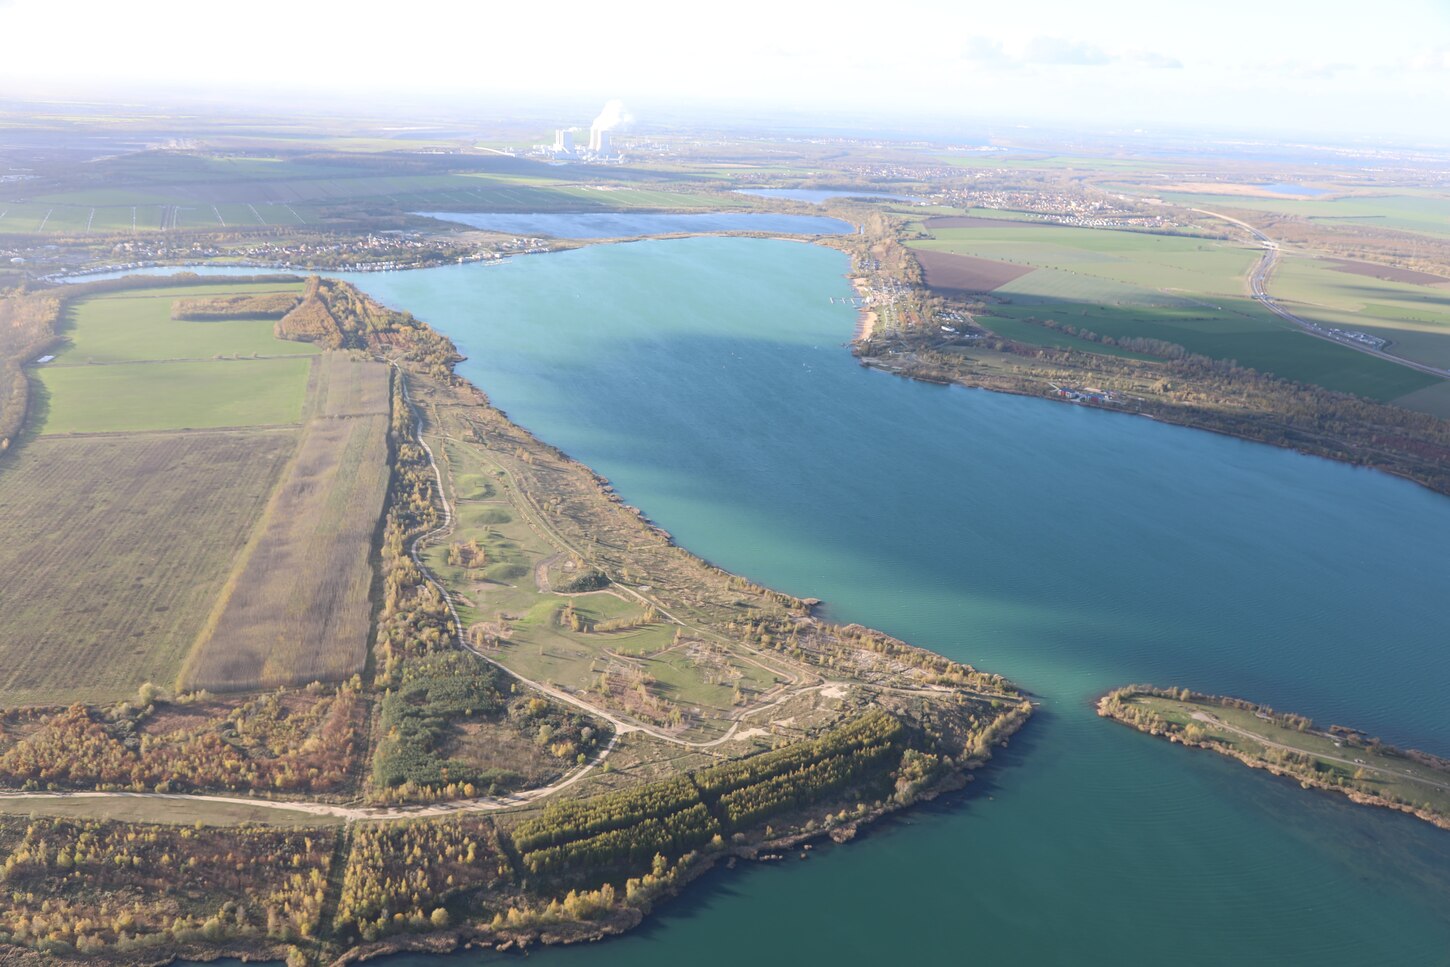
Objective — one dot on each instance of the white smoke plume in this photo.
(613, 115)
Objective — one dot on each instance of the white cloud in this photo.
(1432, 60)
(1153, 59)
(1056, 50)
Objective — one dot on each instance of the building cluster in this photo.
(1060, 207)
(599, 148)
(370, 253)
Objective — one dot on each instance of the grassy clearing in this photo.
(297, 610)
(173, 396)
(137, 325)
(115, 548)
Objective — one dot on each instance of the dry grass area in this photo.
(114, 550)
(297, 608)
(945, 272)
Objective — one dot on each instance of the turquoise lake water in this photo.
(621, 224)
(1071, 550)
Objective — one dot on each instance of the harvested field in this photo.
(949, 273)
(115, 549)
(297, 609)
(1387, 272)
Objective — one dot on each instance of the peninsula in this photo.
(1337, 759)
(415, 679)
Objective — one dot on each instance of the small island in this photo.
(1338, 759)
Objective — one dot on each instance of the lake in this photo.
(1070, 549)
(817, 195)
(629, 224)
(1304, 191)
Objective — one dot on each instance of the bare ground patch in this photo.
(1387, 272)
(966, 274)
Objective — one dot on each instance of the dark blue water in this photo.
(629, 224)
(1070, 549)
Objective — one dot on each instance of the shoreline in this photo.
(1341, 457)
(794, 827)
(1112, 706)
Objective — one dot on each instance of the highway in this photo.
(1258, 288)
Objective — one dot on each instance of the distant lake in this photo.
(1281, 188)
(817, 195)
(627, 224)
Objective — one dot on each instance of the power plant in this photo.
(600, 145)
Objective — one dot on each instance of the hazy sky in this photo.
(1330, 67)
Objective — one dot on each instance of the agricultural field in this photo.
(1416, 214)
(1188, 291)
(166, 190)
(122, 348)
(1414, 316)
(116, 547)
(130, 397)
(297, 609)
(119, 592)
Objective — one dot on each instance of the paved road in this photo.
(1258, 287)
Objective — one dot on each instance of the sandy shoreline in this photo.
(865, 318)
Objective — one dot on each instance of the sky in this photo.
(1341, 69)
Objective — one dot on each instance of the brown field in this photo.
(1387, 272)
(112, 591)
(950, 273)
(297, 608)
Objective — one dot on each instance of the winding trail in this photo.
(481, 804)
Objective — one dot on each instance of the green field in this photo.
(1415, 318)
(127, 366)
(1183, 290)
(172, 396)
(137, 326)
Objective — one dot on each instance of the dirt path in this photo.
(1219, 723)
